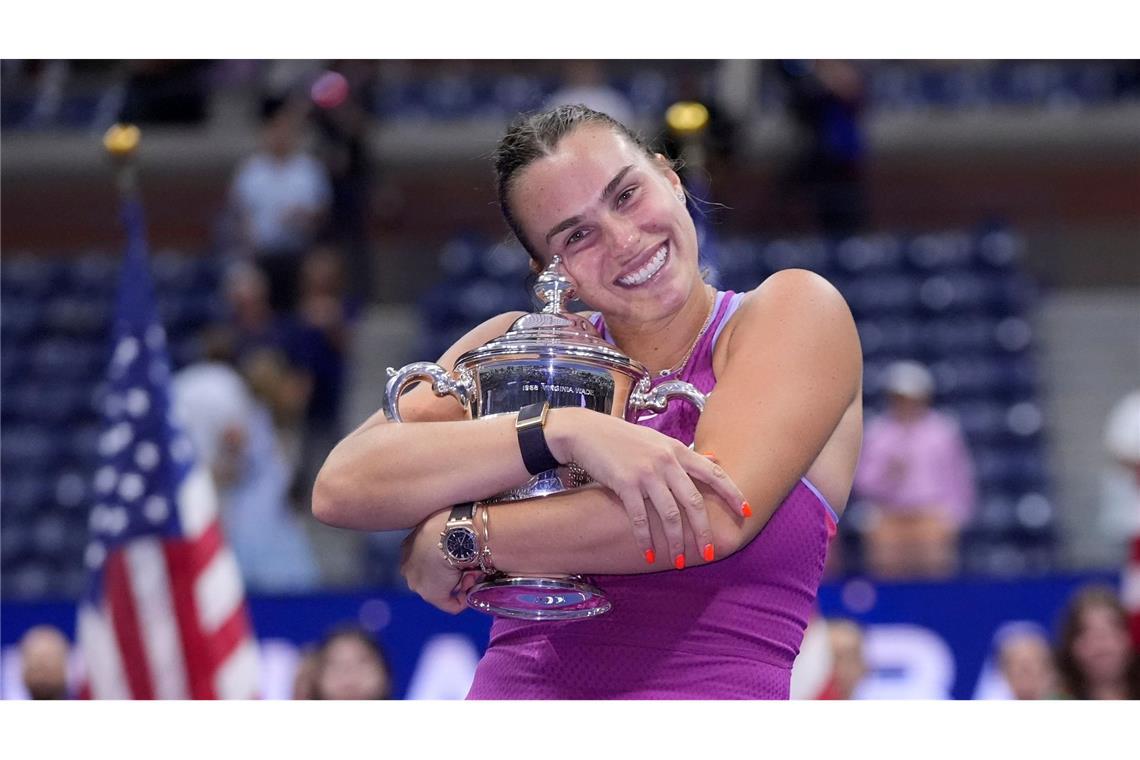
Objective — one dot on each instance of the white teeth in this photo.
(652, 267)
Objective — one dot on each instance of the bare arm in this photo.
(386, 476)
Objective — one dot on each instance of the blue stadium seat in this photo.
(69, 359)
(26, 447)
(869, 253)
(893, 293)
(78, 315)
(810, 253)
(890, 336)
(941, 251)
(21, 318)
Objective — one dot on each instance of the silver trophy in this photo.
(557, 356)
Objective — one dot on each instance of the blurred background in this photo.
(314, 222)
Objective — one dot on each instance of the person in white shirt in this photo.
(281, 196)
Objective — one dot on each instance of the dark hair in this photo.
(351, 631)
(534, 136)
(1073, 680)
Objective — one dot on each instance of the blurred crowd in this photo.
(1090, 655)
(348, 662)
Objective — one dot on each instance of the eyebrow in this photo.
(566, 224)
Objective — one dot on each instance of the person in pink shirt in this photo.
(916, 473)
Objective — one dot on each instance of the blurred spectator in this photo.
(343, 97)
(166, 92)
(825, 100)
(350, 664)
(305, 677)
(263, 340)
(1026, 662)
(584, 82)
(43, 656)
(917, 476)
(1121, 504)
(319, 347)
(234, 436)
(1095, 657)
(848, 665)
(281, 196)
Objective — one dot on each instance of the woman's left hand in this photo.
(427, 572)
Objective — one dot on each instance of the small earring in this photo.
(681, 196)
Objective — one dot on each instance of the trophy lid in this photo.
(553, 332)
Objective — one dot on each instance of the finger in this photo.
(666, 506)
(468, 581)
(449, 604)
(689, 497)
(714, 475)
(639, 518)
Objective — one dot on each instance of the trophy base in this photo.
(536, 598)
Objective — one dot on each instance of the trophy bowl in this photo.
(556, 356)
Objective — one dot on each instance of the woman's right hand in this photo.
(641, 465)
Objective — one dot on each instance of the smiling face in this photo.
(618, 220)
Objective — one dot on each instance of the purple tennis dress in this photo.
(727, 630)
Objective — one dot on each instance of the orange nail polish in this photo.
(708, 552)
(746, 510)
(679, 563)
(650, 556)
(709, 454)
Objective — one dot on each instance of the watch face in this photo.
(460, 544)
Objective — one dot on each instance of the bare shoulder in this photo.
(795, 290)
(792, 299)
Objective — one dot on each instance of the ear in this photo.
(666, 166)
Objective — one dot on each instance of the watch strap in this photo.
(532, 438)
(465, 511)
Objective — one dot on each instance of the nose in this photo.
(625, 235)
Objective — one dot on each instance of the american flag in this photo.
(164, 615)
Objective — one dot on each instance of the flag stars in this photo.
(147, 455)
(131, 486)
(138, 402)
(126, 352)
(117, 520)
(156, 509)
(95, 555)
(97, 520)
(116, 439)
(106, 479)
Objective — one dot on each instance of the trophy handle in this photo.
(658, 398)
(441, 383)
